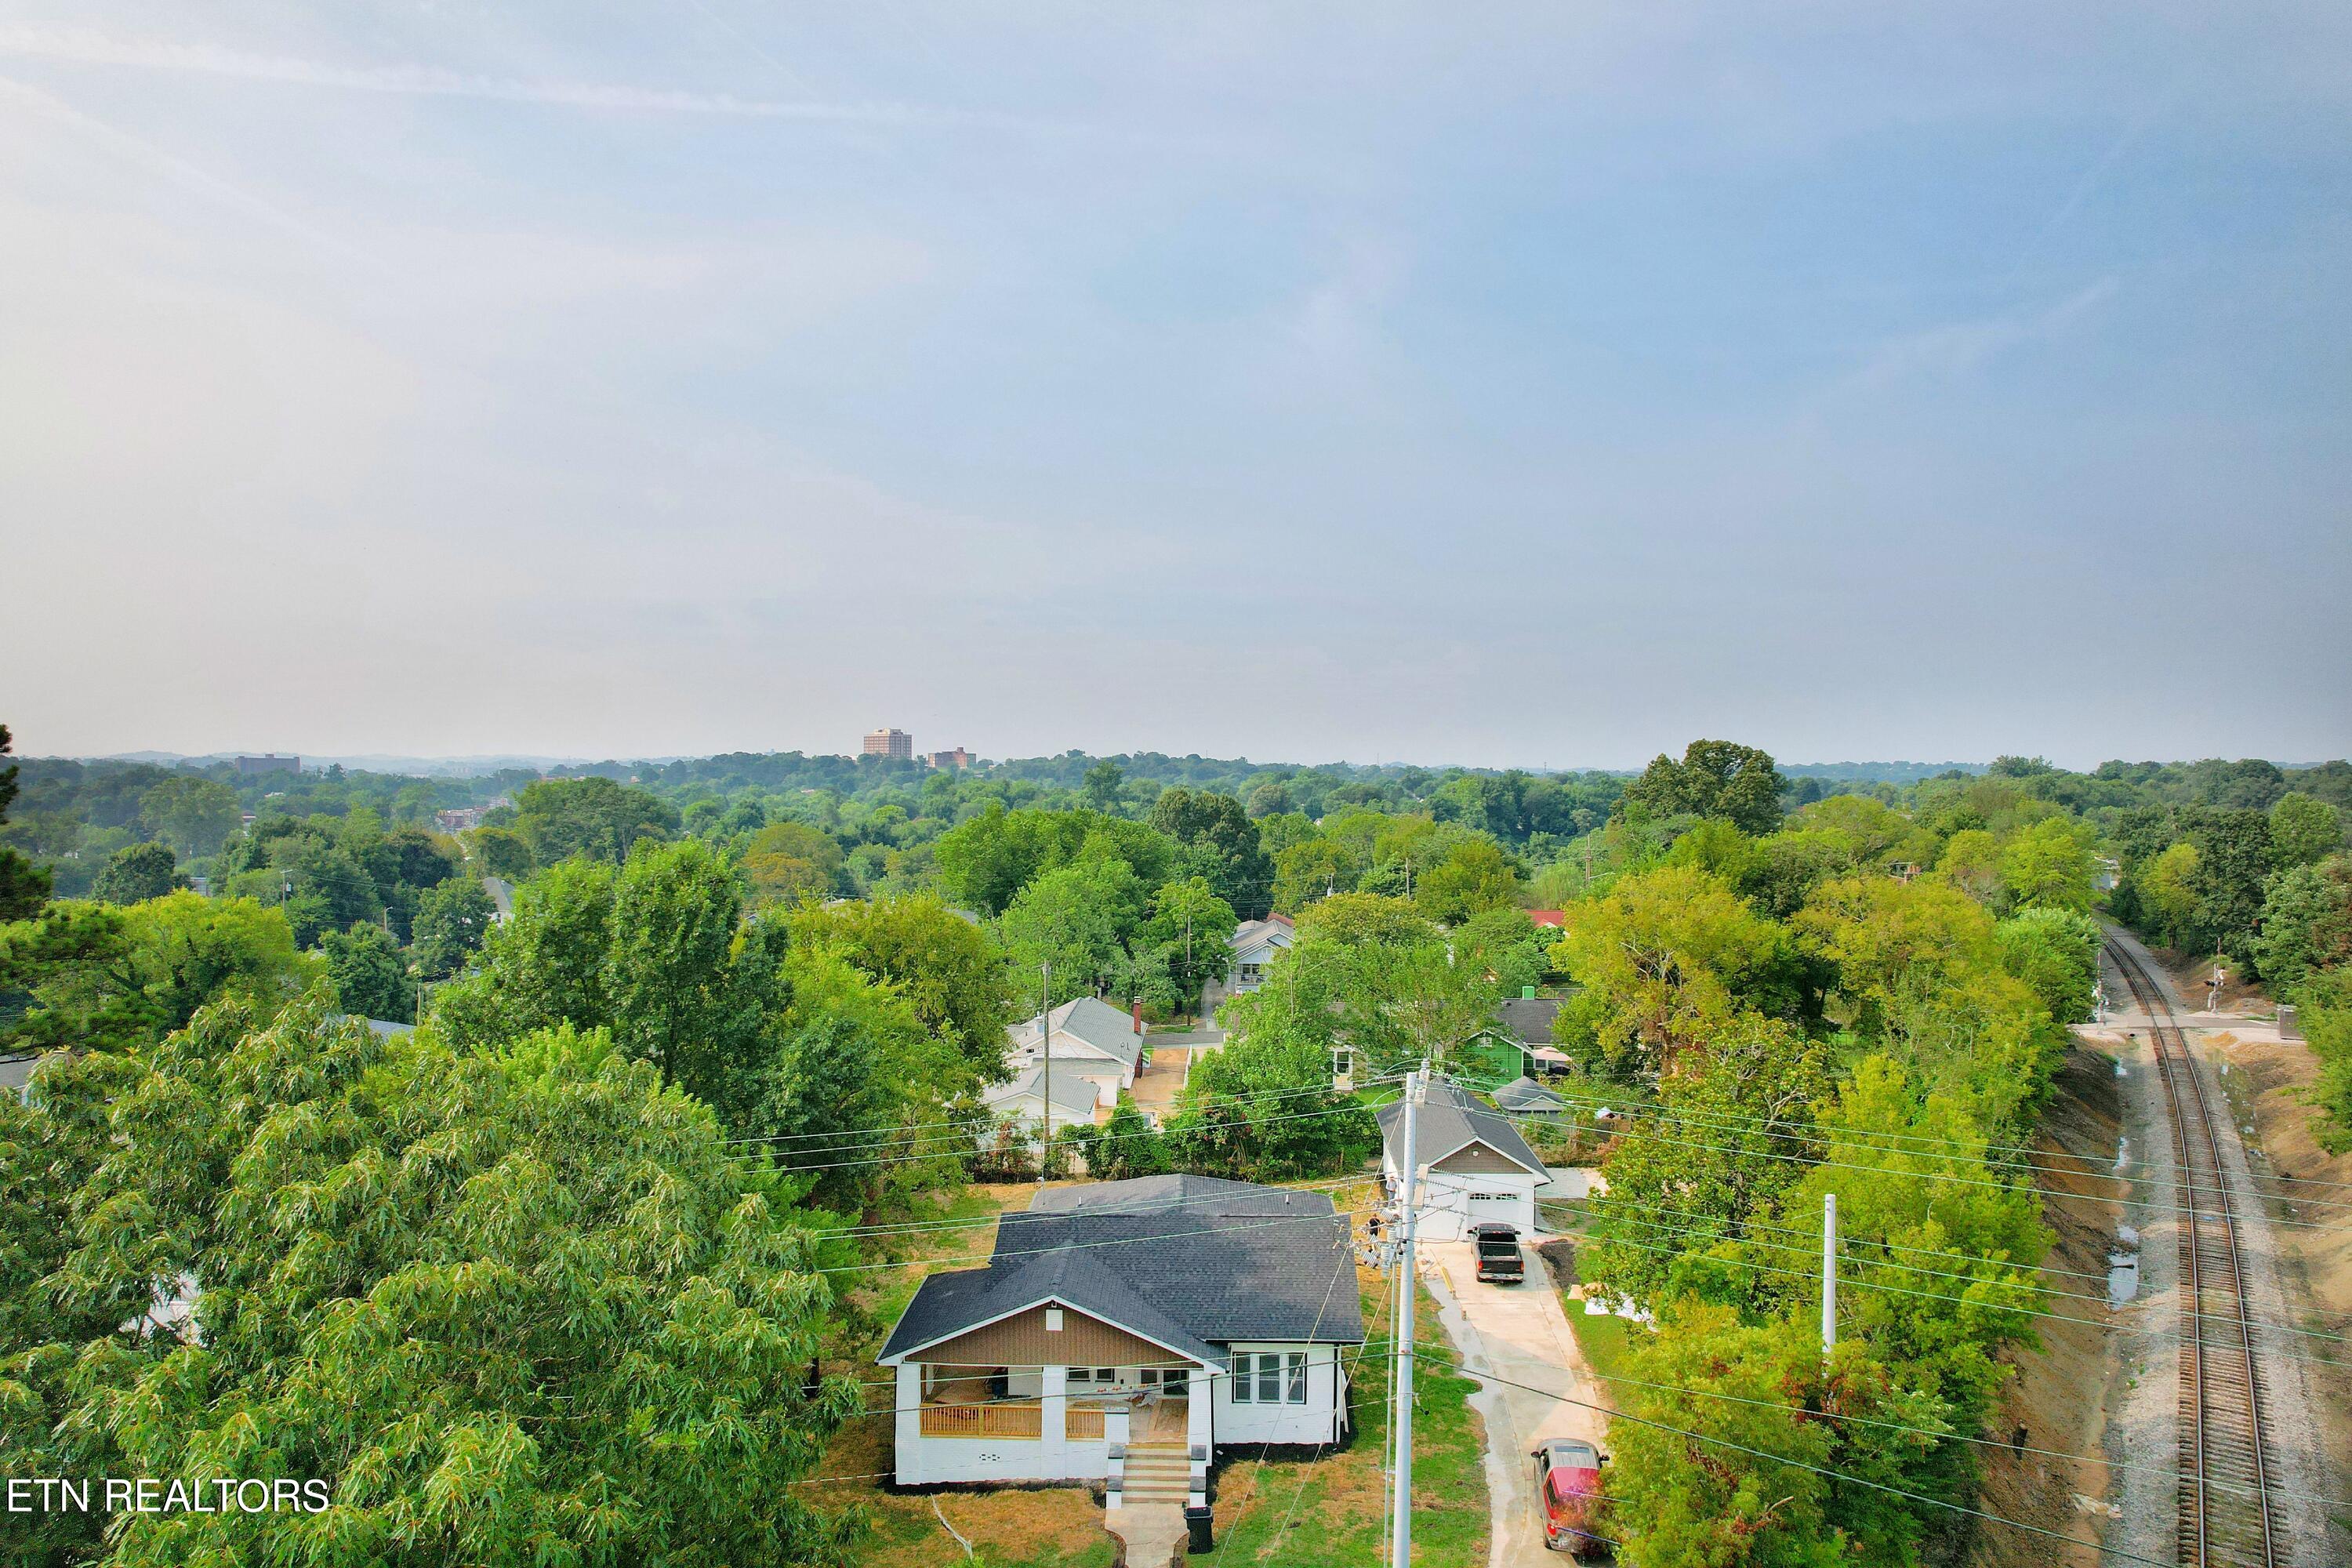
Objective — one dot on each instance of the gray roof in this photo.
(1071, 1092)
(1450, 1120)
(1524, 1096)
(1088, 1018)
(1529, 1019)
(1192, 1262)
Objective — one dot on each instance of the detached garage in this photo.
(1475, 1169)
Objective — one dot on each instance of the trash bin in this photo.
(1196, 1520)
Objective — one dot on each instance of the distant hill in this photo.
(1875, 773)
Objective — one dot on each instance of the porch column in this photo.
(1056, 1428)
(909, 1423)
(1199, 1438)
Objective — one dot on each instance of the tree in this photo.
(1102, 785)
(543, 967)
(24, 887)
(1215, 824)
(332, 891)
(1354, 919)
(984, 860)
(111, 979)
(1667, 955)
(1123, 1146)
(370, 981)
(559, 818)
(1971, 862)
(2307, 922)
(2305, 830)
(452, 923)
(2046, 867)
(678, 998)
(1079, 917)
(1313, 867)
(1193, 930)
(502, 853)
(519, 1309)
(1885, 938)
(1263, 1108)
(1715, 778)
(942, 963)
(1474, 877)
(2167, 897)
(2233, 862)
(788, 861)
(142, 872)
(194, 815)
(2056, 952)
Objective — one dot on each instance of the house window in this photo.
(1176, 1380)
(1270, 1377)
(1343, 1062)
(1294, 1387)
(1105, 1374)
(1269, 1380)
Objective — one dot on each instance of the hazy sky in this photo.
(1542, 384)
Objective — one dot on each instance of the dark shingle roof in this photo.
(1450, 1119)
(1529, 1019)
(1193, 1262)
(1524, 1096)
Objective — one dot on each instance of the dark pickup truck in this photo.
(1498, 1253)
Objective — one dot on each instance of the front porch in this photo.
(975, 1424)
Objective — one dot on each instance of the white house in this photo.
(1092, 1042)
(1077, 1101)
(1475, 1168)
(1255, 945)
(1123, 1332)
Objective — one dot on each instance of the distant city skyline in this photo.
(1529, 386)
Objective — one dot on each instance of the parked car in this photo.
(1567, 1494)
(1499, 1252)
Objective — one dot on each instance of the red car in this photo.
(1567, 1491)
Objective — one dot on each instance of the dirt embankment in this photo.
(2052, 1403)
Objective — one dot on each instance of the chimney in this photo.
(1135, 1011)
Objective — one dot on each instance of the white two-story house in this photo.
(1124, 1331)
(1091, 1042)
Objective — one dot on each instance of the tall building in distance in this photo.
(270, 763)
(958, 758)
(896, 744)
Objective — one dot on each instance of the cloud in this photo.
(80, 45)
(1958, 348)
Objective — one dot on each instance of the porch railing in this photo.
(1002, 1420)
(1083, 1422)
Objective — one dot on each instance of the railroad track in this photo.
(2227, 1515)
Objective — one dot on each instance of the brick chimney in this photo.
(1135, 1011)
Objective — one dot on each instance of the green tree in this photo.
(543, 967)
(1263, 1108)
(2047, 867)
(1715, 778)
(2305, 830)
(2233, 863)
(2056, 952)
(369, 974)
(1471, 877)
(1356, 919)
(559, 818)
(142, 872)
(1102, 786)
(1079, 917)
(503, 852)
(942, 963)
(679, 1000)
(24, 887)
(194, 815)
(1191, 928)
(1126, 1145)
(452, 923)
(2307, 922)
(2167, 895)
(786, 862)
(516, 1309)
(1670, 954)
(1233, 858)
(110, 979)
(1971, 862)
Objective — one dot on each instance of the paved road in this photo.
(1519, 1335)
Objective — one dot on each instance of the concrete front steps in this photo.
(1157, 1473)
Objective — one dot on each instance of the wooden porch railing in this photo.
(1014, 1420)
(1083, 1422)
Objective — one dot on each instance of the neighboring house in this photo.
(1093, 1042)
(1525, 1096)
(1077, 1102)
(1528, 1018)
(16, 1073)
(1475, 1168)
(1124, 1331)
(1255, 945)
(1549, 919)
(501, 897)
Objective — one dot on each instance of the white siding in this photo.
(1316, 1421)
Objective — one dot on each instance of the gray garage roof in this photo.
(1450, 1119)
(1192, 1262)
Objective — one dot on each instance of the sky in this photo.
(1542, 386)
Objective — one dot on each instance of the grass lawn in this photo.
(1606, 1342)
(1332, 1512)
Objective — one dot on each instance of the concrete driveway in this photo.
(1519, 1335)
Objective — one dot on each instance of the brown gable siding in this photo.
(1023, 1340)
(1476, 1159)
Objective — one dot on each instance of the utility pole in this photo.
(1045, 1022)
(1829, 1272)
(1401, 1534)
